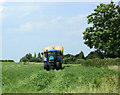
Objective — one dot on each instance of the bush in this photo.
(6, 60)
(94, 54)
(80, 55)
(79, 61)
(97, 62)
(30, 58)
(93, 59)
(69, 60)
(68, 55)
(101, 62)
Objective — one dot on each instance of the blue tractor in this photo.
(52, 59)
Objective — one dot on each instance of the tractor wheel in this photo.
(46, 66)
(60, 66)
(57, 66)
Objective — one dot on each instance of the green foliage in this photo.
(93, 55)
(94, 59)
(79, 61)
(74, 78)
(35, 55)
(30, 58)
(39, 56)
(98, 62)
(68, 55)
(68, 59)
(104, 34)
(6, 60)
(80, 55)
(71, 59)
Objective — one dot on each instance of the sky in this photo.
(27, 27)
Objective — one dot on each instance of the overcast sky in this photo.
(29, 27)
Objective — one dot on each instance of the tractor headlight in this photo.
(45, 59)
(51, 58)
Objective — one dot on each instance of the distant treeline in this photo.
(29, 58)
(69, 58)
(6, 60)
(94, 59)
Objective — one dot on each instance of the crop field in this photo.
(73, 78)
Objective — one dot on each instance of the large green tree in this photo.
(104, 33)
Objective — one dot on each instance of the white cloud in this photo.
(27, 9)
(75, 19)
(70, 26)
(27, 27)
(68, 20)
(57, 20)
(65, 24)
(1, 8)
(22, 11)
(1, 0)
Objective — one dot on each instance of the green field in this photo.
(73, 78)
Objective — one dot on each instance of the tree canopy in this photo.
(104, 33)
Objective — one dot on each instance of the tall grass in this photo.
(74, 78)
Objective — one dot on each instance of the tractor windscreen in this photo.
(52, 54)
